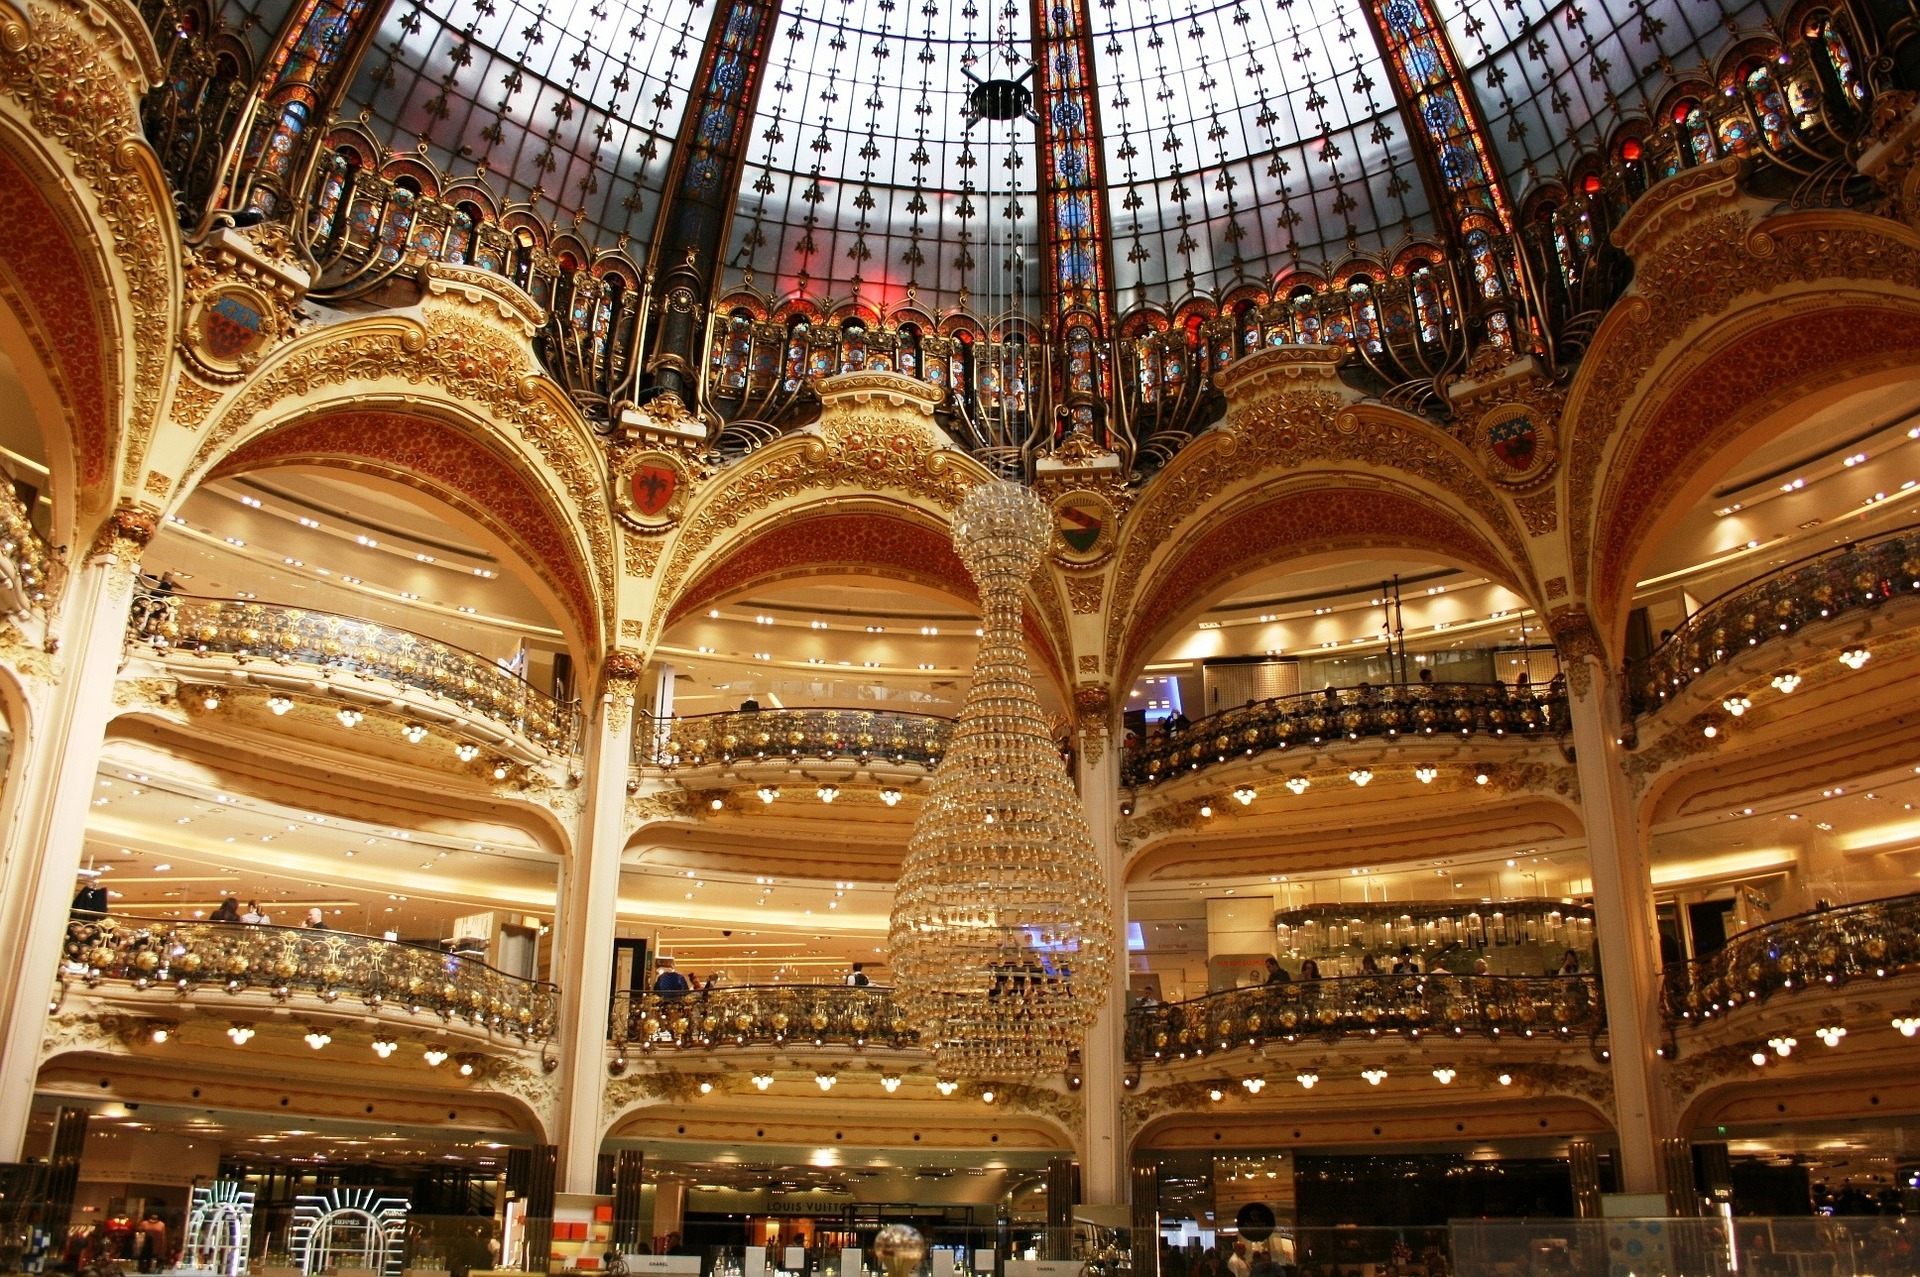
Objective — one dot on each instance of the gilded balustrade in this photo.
(1432, 1004)
(23, 547)
(830, 734)
(1349, 713)
(1875, 940)
(301, 636)
(191, 957)
(1776, 606)
(761, 1015)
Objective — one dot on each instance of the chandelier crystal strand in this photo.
(1002, 932)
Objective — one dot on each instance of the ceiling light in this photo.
(241, 1034)
(1907, 1024)
(889, 795)
(1206, 811)
(466, 1068)
(414, 732)
(826, 1080)
(500, 767)
(1306, 1079)
(1505, 1079)
(435, 1056)
(1783, 1046)
(947, 1086)
(1736, 705)
(1360, 776)
(986, 1095)
(1298, 784)
(1254, 1084)
(1853, 658)
(349, 717)
(279, 704)
(763, 1080)
(1246, 794)
(1216, 1094)
(1443, 1076)
(1709, 731)
(716, 803)
(317, 1038)
(210, 699)
(1480, 777)
(890, 1082)
(383, 1047)
(706, 1088)
(828, 792)
(1374, 1076)
(160, 1034)
(768, 793)
(466, 751)
(1785, 683)
(1425, 774)
(1759, 1059)
(1831, 1034)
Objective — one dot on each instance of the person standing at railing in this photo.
(1276, 974)
(255, 916)
(316, 920)
(668, 983)
(229, 911)
(91, 900)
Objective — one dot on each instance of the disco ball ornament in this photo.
(899, 1248)
(1002, 930)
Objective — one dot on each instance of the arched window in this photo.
(909, 350)
(276, 152)
(960, 368)
(1173, 361)
(1081, 373)
(1365, 310)
(1306, 316)
(1429, 306)
(338, 172)
(853, 346)
(1696, 130)
(732, 353)
(1769, 106)
(1247, 322)
(1146, 357)
(523, 250)
(398, 220)
(461, 236)
(1488, 279)
(1832, 38)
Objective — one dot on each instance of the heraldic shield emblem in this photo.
(229, 329)
(233, 326)
(653, 491)
(1517, 448)
(1083, 522)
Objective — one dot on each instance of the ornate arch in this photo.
(452, 464)
(504, 431)
(1709, 273)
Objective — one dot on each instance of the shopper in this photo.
(255, 916)
(857, 978)
(229, 911)
(316, 920)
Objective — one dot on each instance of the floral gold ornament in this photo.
(1001, 932)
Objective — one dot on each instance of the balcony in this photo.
(761, 1015)
(24, 559)
(288, 652)
(1858, 578)
(1392, 712)
(229, 967)
(1810, 952)
(1435, 1004)
(828, 735)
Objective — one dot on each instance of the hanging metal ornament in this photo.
(1002, 931)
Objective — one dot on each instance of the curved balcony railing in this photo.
(1776, 606)
(1434, 1004)
(862, 735)
(1875, 940)
(188, 957)
(172, 623)
(761, 1015)
(27, 560)
(1350, 713)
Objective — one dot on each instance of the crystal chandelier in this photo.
(1002, 932)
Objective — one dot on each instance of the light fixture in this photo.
(500, 767)
(414, 732)
(384, 1047)
(210, 699)
(716, 803)
(1254, 1084)
(763, 1080)
(986, 1095)
(1443, 1076)
(1246, 794)
(317, 1038)
(947, 1086)
(706, 1088)
(1306, 1078)
(1831, 1034)
(1374, 1076)
(1785, 683)
(1216, 1094)
(466, 1068)
(1001, 874)
(889, 1082)
(241, 1034)
(160, 1034)
(1206, 811)
(1759, 1059)
(1710, 731)
(1736, 705)
(1360, 776)
(826, 1080)
(1298, 784)
(890, 795)
(1480, 777)
(349, 717)
(769, 792)
(1854, 657)
(828, 792)
(466, 751)
(279, 704)
(435, 1056)
(1783, 1046)
(1505, 1079)
(1425, 774)
(1907, 1024)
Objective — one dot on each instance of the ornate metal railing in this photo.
(745, 735)
(1776, 606)
(188, 957)
(301, 636)
(1874, 940)
(1434, 1004)
(1349, 713)
(23, 548)
(760, 1015)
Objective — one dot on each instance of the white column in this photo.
(1625, 927)
(47, 829)
(585, 966)
(1104, 1172)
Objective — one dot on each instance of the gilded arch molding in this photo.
(1701, 251)
(75, 72)
(462, 364)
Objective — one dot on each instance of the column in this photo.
(586, 938)
(47, 816)
(1103, 1059)
(1624, 924)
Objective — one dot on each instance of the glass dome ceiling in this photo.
(1240, 138)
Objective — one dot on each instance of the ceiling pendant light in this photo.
(1002, 932)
